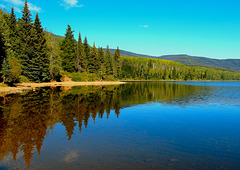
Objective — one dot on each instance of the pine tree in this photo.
(116, 63)
(108, 59)
(80, 64)
(11, 61)
(93, 60)
(2, 49)
(26, 38)
(101, 58)
(40, 59)
(68, 55)
(87, 52)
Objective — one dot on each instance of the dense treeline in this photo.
(28, 53)
(155, 69)
(23, 48)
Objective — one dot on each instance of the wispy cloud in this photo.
(15, 2)
(20, 3)
(33, 7)
(70, 4)
(2, 6)
(144, 26)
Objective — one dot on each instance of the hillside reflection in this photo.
(26, 119)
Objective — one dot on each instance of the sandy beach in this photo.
(20, 87)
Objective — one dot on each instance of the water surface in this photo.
(140, 125)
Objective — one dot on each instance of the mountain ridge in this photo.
(228, 64)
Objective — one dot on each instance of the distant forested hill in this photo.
(231, 64)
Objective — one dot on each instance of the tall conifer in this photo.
(93, 60)
(26, 36)
(87, 52)
(117, 63)
(11, 65)
(80, 64)
(68, 55)
(101, 58)
(108, 59)
(40, 58)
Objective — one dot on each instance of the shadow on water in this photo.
(26, 119)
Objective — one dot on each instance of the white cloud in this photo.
(70, 4)
(15, 2)
(33, 7)
(2, 6)
(144, 26)
(20, 3)
(17, 9)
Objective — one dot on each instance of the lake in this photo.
(138, 125)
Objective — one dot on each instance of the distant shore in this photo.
(21, 87)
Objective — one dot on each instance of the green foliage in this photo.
(23, 79)
(40, 58)
(157, 69)
(78, 77)
(87, 52)
(102, 63)
(68, 52)
(93, 60)
(54, 57)
(81, 61)
(117, 63)
(108, 62)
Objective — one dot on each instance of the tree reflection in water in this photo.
(26, 118)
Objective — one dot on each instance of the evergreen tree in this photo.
(2, 49)
(108, 59)
(93, 60)
(26, 38)
(40, 59)
(68, 55)
(116, 63)
(80, 64)
(101, 58)
(11, 61)
(87, 52)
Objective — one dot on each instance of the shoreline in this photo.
(172, 80)
(21, 87)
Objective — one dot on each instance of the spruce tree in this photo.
(117, 63)
(40, 58)
(11, 61)
(87, 52)
(2, 49)
(93, 60)
(68, 55)
(108, 60)
(101, 58)
(26, 37)
(80, 64)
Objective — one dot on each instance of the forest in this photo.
(28, 53)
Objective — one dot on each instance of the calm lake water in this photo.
(140, 125)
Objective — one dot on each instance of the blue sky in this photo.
(209, 28)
